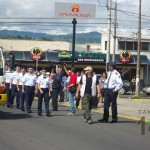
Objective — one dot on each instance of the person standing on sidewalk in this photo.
(101, 84)
(113, 83)
(43, 84)
(133, 84)
(88, 88)
(78, 82)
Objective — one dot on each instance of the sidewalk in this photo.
(134, 108)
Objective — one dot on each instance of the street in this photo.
(22, 131)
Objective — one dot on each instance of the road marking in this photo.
(119, 115)
(141, 100)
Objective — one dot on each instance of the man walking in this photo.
(44, 92)
(28, 87)
(88, 88)
(113, 83)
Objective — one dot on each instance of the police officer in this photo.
(13, 87)
(112, 84)
(7, 79)
(19, 87)
(28, 86)
(43, 84)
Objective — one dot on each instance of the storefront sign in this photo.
(90, 60)
(82, 55)
(74, 10)
(36, 53)
(125, 57)
(65, 54)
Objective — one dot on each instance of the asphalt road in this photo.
(22, 131)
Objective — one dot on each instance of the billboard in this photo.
(75, 10)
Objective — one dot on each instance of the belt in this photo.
(28, 86)
(111, 89)
(44, 88)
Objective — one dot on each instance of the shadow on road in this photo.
(10, 116)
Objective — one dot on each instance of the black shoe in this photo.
(8, 106)
(39, 114)
(55, 109)
(113, 121)
(29, 111)
(103, 120)
(48, 115)
(22, 109)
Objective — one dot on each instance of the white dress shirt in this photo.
(44, 81)
(20, 78)
(14, 77)
(29, 79)
(7, 76)
(113, 80)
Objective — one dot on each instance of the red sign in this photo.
(36, 53)
(125, 57)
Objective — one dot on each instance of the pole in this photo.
(36, 65)
(115, 27)
(137, 91)
(109, 31)
(74, 22)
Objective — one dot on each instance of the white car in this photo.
(146, 90)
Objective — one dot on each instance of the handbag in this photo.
(73, 89)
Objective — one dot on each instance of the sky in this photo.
(39, 16)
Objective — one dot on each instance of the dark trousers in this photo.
(110, 97)
(55, 99)
(44, 95)
(21, 97)
(61, 94)
(29, 96)
(8, 92)
(14, 93)
(77, 101)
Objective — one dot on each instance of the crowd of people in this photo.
(69, 85)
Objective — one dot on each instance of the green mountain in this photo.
(81, 38)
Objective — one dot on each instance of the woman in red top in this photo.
(71, 86)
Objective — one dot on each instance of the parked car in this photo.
(146, 90)
(126, 87)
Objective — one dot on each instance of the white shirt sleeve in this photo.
(119, 82)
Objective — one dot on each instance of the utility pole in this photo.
(109, 5)
(137, 91)
(115, 27)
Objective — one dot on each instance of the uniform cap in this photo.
(112, 64)
(88, 68)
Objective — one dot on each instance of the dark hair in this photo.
(73, 70)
